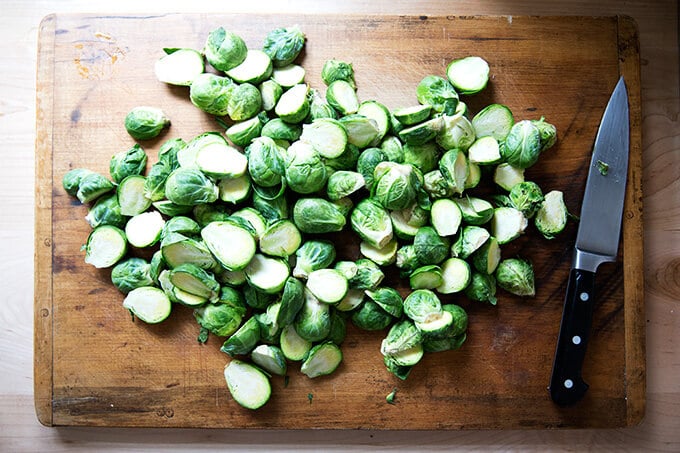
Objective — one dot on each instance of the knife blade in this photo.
(597, 242)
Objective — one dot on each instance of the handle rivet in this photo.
(568, 383)
(576, 339)
(584, 296)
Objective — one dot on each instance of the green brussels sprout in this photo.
(211, 93)
(430, 248)
(271, 92)
(426, 277)
(126, 163)
(395, 185)
(338, 328)
(551, 218)
(244, 102)
(283, 45)
(548, 133)
(425, 157)
(366, 163)
(333, 70)
(516, 276)
(224, 50)
(436, 185)
(421, 305)
(347, 161)
(457, 132)
(454, 167)
(439, 93)
(189, 187)
(256, 68)
(522, 146)
(305, 171)
(145, 123)
(343, 183)
(167, 153)
(460, 320)
(388, 299)
(393, 149)
(130, 274)
(469, 75)
(106, 211)
(179, 66)
(322, 359)
(494, 120)
(526, 197)
(219, 319)
(361, 130)
(313, 254)
(242, 133)
(272, 209)
(181, 224)
(482, 288)
(403, 335)
(268, 274)
(178, 249)
(313, 321)
(244, 340)
(370, 316)
(328, 285)
(270, 358)
(92, 186)
(400, 371)
(371, 221)
(470, 239)
(269, 329)
(342, 96)
(206, 213)
(368, 275)
(277, 129)
(72, 178)
(265, 162)
(317, 215)
(292, 300)
(422, 133)
(154, 184)
(257, 299)
(319, 106)
(407, 258)
(294, 106)
(195, 280)
(156, 266)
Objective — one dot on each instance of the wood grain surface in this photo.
(102, 369)
(20, 430)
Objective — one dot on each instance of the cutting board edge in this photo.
(43, 352)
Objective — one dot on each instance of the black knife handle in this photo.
(566, 384)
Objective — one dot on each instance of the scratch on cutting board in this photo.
(95, 58)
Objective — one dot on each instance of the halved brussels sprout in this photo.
(178, 248)
(456, 132)
(379, 114)
(313, 254)
(234, 190)
(470, 239)
(322, 359)
(293, 346)
(267, 274)
(388, 299)
(482, 288)
(422, 132)
(328, 285)
(343, 183)
(445, 216)
(494, 120)
(414, 114)
(551, 218)
(154, 184)
(430, 248)
(454, 167)
(256, 68)
(106, 211)
(313, 321)
(403, 335)
(106, 245)
(248, 385)
(293, 105)
(317, 215)
(342, 96)
(327, 136)
(195, 280)
(148, 303)
(548, 133)
(508, 224)
(422, 305)
(507, 176)
(243, 340)
(488, 256)
(522, 146)
(219, 319)
(190, 187)
(426, 277)
(484, 151)
(439, 93)
(144, 230)
(91, 186)
(232, 245)
(362, 131)
(289, 76)
(455, 276)
(282, 238)
(179, 66)
(270, 358)
(468, 75)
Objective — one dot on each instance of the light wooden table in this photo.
(659, 431)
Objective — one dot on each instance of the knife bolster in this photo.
(589, 261)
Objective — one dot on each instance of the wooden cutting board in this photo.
(95, 366)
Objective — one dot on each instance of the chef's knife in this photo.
(597, 241)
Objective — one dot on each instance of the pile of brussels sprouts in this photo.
(240, 226)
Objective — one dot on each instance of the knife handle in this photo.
(566, 384)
